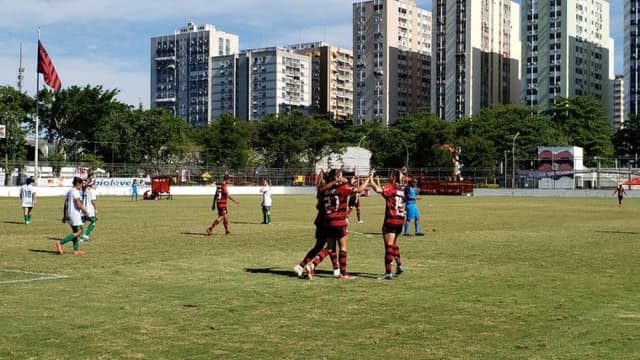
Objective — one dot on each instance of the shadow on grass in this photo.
(618, 232)
(194, 234)
(13, 222)
(245, 222)
(318, 273)
(364, 275)
(50, 252)
(272, 271)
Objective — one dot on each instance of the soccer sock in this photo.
(310, 255)
(89, 229)
(417, 224)
(342, 258)
(76, 244)
(67, 239)
(321, 256)
(406, 228)
(29, 217)
(268, 219)
(225, 222)
(358, 213)
(388, 258)
(334, 259)
(26, 218)
(396, 254)
(264, 218)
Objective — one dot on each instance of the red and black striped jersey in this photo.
(335, 205)
(222, 195)
(394, 204)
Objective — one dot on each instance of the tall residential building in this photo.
(180, 70)
(392, 60)
(476, 56)
(331, 79)
(617, 102)
(632, 57)
(259, 82)
(566, 47)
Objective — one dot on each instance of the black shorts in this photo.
(320, 233)
(335, 232)
(391, 229)
(222, 211)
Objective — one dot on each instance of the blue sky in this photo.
(106, 42)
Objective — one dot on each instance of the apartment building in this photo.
(258, 82)
(392, 60)
(617, 102)
(567, 50)
(631, 57)
(476, 56)
(331, 79)
(180, 70)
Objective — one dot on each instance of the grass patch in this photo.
(494, 278)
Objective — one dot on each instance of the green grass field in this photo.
(495, 278)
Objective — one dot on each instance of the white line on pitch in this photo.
(361, 234)
(42, 276)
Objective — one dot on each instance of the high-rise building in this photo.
(258, 82)
(180, 70)
(566, 50)
(632, 57)
(476, 56)
(331, 79)
(392, 60)
(617, 102)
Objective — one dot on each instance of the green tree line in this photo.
(87, 124)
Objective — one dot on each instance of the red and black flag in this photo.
(45, 66)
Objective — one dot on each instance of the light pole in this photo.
(513, 161)
(406, 148)
(359, 152)
(505, 171)
(362, 138)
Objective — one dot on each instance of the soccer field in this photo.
(494, 278)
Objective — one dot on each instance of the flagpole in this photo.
(36, 171)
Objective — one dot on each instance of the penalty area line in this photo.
(41, 276)
(360, 234)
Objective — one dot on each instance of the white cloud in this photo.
(16, 14)
(87, 39)
(72, 30)
(109, 73)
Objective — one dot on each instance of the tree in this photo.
(425, 134)
(116, 138)
(583, 120)
(281, 139)
(225, 142)
(162, 135)
(72, 116)
(387, 149)
(321, 139)
(14, 109)
(487, 136)
(627, 139)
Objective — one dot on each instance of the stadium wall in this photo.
(13, 191)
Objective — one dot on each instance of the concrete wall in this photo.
(13, 191)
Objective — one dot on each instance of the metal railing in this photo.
(526, 175)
